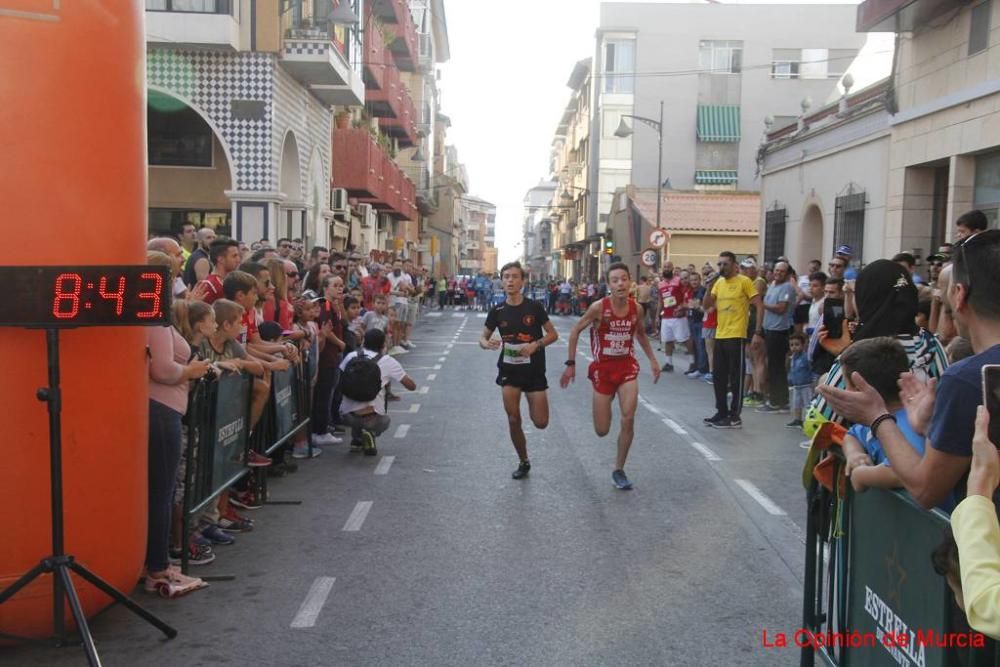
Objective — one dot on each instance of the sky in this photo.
(504, 90)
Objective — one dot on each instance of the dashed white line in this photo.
(649, 406)
(358, 516)
(423, 390)
(769, 505)
(437, 367)
(433, 314)
(383, 466)
(705, 451)
(313, 604)
(674, 426)
(442, 358)
(401, 431)
(431, 377)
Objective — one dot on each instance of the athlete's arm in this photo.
(486, 340)
(643, 339)
(408, 382)
(550, 336)
(592, 316)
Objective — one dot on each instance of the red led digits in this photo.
(118, 297)
(62, 295)
(154, 295)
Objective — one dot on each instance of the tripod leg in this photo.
(79, 616)
(12, 590)
(118, 596)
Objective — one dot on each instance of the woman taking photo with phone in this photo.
(886, 300)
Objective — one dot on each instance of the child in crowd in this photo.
(959, 348)
(800, 379)
(356, 294)
(224, 350)
(306, 313)
(880, 361)
(354, 322)
(195, 320)
(378, 318)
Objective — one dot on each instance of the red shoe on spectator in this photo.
(231, 522)
(245, 499)
(255, 460)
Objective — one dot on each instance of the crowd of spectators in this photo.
(258, 310)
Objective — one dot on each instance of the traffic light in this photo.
(609, 245)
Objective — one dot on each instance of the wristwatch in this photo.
(571, 362)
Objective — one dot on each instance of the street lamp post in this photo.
(623, 132)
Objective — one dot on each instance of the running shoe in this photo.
(325, 439)
(405, 345)
(369, 443)
(795, 423)
(357, 445)
(667, 368)
(522, 470)
(397, 350)
(620, 480)
(302, 452)
(767, 408)
(752, 401)
(216, 535)
(726, 422)
(692, 375)
(255, 460)
(337, 429)
(197, 555)
(246, 500)
(708, 377)
(714, 418)
(234, 523)
(410, 345)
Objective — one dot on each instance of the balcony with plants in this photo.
(363, 165)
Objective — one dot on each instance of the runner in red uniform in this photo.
(615, 324)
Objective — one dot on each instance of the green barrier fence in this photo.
(871, 595)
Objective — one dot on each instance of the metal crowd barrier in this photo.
(219, 438)
(871, 595)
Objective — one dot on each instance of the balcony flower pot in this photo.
(343, 120)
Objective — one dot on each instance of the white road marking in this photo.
(401, 431)
(437, 367)
(442, 358)
(705, 451)
(437, 314)
(449, 346)
(649, 406)
(481, 316)
(423, 390)
(383, 466)
(769, 505)
(431, 377)
(446, 352)
(313, 604)
(674, 426)
(458, 315)
(358, 516)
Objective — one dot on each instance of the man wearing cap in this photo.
(846, 252)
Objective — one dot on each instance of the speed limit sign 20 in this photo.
(650, 257)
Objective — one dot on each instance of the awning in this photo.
(715, 177)
(718, 123)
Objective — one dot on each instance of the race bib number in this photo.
(615, 348)
(512, 354)
(669, 301)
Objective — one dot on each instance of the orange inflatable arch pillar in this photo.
(73, 180)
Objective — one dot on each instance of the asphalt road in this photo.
(430, 554)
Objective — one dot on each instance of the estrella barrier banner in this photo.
(871, 596)
(285, 403)
(229, 433)
(894, 595)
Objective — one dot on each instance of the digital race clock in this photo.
(84, 296)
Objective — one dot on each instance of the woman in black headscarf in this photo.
(886, 301)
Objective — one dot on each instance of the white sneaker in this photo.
(397, 350)
(410, 345)
(325, 439)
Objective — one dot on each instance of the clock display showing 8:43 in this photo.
(84, 296)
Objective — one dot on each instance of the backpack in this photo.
(361, 380)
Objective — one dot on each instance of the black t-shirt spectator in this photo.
(330, 356)
(190, 279)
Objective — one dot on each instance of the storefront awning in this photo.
(715, 177)
(718, 123)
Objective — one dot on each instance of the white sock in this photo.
(670, 359)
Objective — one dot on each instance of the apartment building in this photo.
(477, 235)
(241, 94)
(540, 257)
(716, 70)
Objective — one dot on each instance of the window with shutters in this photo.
(849, 222)
(774, 233)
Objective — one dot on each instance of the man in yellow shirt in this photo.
(732, 295)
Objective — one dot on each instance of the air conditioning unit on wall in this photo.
(338, 203)
(368, 215)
